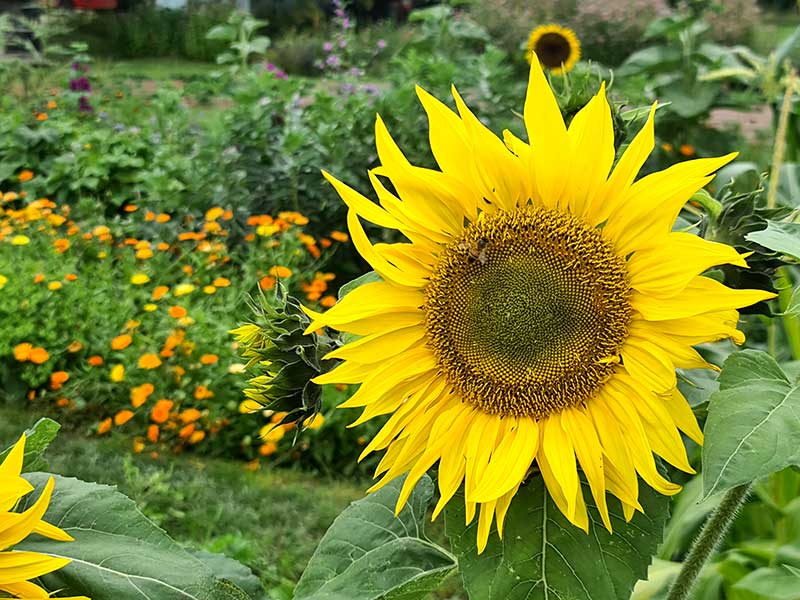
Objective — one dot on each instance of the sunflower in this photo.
(18, 567)
(533, 321)
(557, 48)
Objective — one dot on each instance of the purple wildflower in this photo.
(381, 44)
(327, 46)
(83, 104)
(80, 84)
(333, 60)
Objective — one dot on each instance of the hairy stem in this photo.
(780, 140)
(706, 543)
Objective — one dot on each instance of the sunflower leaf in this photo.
(39, 437)
(369, 554)
(118, 554)
(783, 238)
(542, 555)
(753, 426)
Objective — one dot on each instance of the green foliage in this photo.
(783, 238)
(753, 426)
(39, 437)
(240, 36)
(118, 553)
(384, 558)
(542, 554)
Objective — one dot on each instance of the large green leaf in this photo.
(118, 554)
(783, 238)
(772, 583)
(543, 556)
(753, 425)
(38, 439)
(368, 553)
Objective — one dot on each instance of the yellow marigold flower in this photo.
(117, 373)
(25, 175)
(183, 289)
(74, 347)
(556, 47)
(197, 437)
(533, 321)
(140, 279)
(314, 422)
(272, 433)
(20, 240)
(138, 445)
(212, 214)
(207, 289)
(149, 361)
(3, 281)
(54, 285)
(121, 342)
(150, 307)
(144, 253)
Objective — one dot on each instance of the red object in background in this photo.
(95, 4)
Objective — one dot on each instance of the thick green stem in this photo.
(704, 546)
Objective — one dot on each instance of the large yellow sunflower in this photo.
(533, 322)
(557, 48)
(18, 567)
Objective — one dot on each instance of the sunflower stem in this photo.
(709, 539)
(779, 149)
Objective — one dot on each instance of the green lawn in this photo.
(270, 520)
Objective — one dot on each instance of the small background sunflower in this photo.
(557, 48)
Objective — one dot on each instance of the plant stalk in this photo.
(780, 139)
(706, 543)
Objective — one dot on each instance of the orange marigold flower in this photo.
(190, 415)
(74, 347)
(25, 175)
(340, 236)
(39, 356)
(227, 215)
(267, 283)
(281, 272)
(325, 243)
(160, 412)
(22, 352)
(268, 449)
(666, 147)
(38, 278)
(95, 360)
(121, 342)
(61, 245)
(130, 208)
(201, 392)
(686, 150)
(63, 402)
(209, 359)
(149, 216)
(41, 116)
(123, 417)
(144, 254)
(140, 393)
(52, 104)
(221, 282)
(58, 379)
(186, 431)
(197, 437)
(104, 427)
(159, 292)
(328, 301)
(314, 251)
(162, 218)
(149, 361)
(188, 269)
(177, 312)
(162, 246)
(71, 277)
(152, 433)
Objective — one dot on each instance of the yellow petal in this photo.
(19, 566)
(379, 347)
(557, 449)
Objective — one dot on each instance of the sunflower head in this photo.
(556, 47)
(531, 323)
(283, 357)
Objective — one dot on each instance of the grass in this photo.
(158, 69)
(271, 520)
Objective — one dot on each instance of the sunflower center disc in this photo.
(527, 312)
(553, 50)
